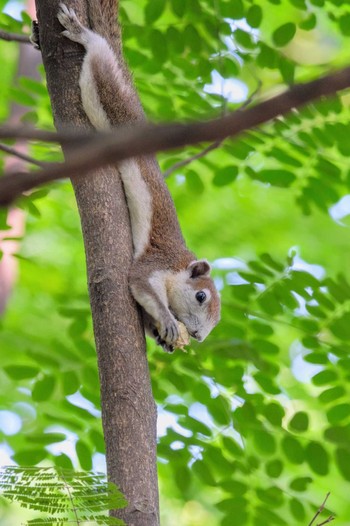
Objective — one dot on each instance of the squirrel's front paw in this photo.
(169, 331)
(165, 346)
(74, 30)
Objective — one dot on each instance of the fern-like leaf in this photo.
(69, 497)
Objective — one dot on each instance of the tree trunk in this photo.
(128, 409)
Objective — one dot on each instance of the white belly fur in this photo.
(139, 201)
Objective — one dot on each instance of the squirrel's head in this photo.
(194, 300)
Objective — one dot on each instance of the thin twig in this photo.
(194, 157)
(14, 37)
(330, 519)
(113, 147)
(320, 510)
(68, 135)
(23, 156)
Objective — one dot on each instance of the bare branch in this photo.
(30, 133)
(19, 155)
(319, 511)
(14, 37)
(330, 519)
(109, 148)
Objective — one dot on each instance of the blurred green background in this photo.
(254, 423)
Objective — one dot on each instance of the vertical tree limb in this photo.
(128, 409)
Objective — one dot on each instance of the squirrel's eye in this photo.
(201, 296)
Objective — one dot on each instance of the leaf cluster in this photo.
(67, 496)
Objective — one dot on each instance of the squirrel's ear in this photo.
(199, 268)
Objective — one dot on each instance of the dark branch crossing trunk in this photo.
(128, 409)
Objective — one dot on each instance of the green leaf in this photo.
(271, 262)
(329, 395)
(194, 183)
(317, 358)
(175, 40)
(231, 9)
(231, 446)
(309, 23)
(269, 303)
(220, 410)
(341, 327)
(84, 455)
(343, 461)
(338, 435)
(293, 450)
(43, 388)
(232, 505)
(63, 461)
(21, 372)
(46, 438)
(344, 24)
(284, 157)
(225, 176)
(194, 425)
(33, 85)
(71, 382)
(202, 471)
(244, 39)
(178, 7)
(281, 178)
(158, 46)
(154, 10)
(317, 458)
(266, 383)
(29, 457)
(235, 487)
(182, 477)
(284, 34)
(324, 377)
(267, 57)
(192, 39)
(264, 442)
(274, 413)
(272, 496)
(21, 97)
(300, 483)
(299, 422)
(98, 440)
(338, 413)
(297, 510)
(254, 16)
(274, 468)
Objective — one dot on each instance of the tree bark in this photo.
(128, 409)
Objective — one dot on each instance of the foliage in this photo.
(254, 423)
(68, 496)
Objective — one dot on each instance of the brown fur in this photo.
(164, 271)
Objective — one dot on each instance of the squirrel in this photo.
(165, 278)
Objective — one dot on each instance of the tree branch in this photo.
(20, 155)
(129, 413)
(14, 37)
(319, 511)
(109, 148)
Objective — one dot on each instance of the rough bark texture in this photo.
(128, 409)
